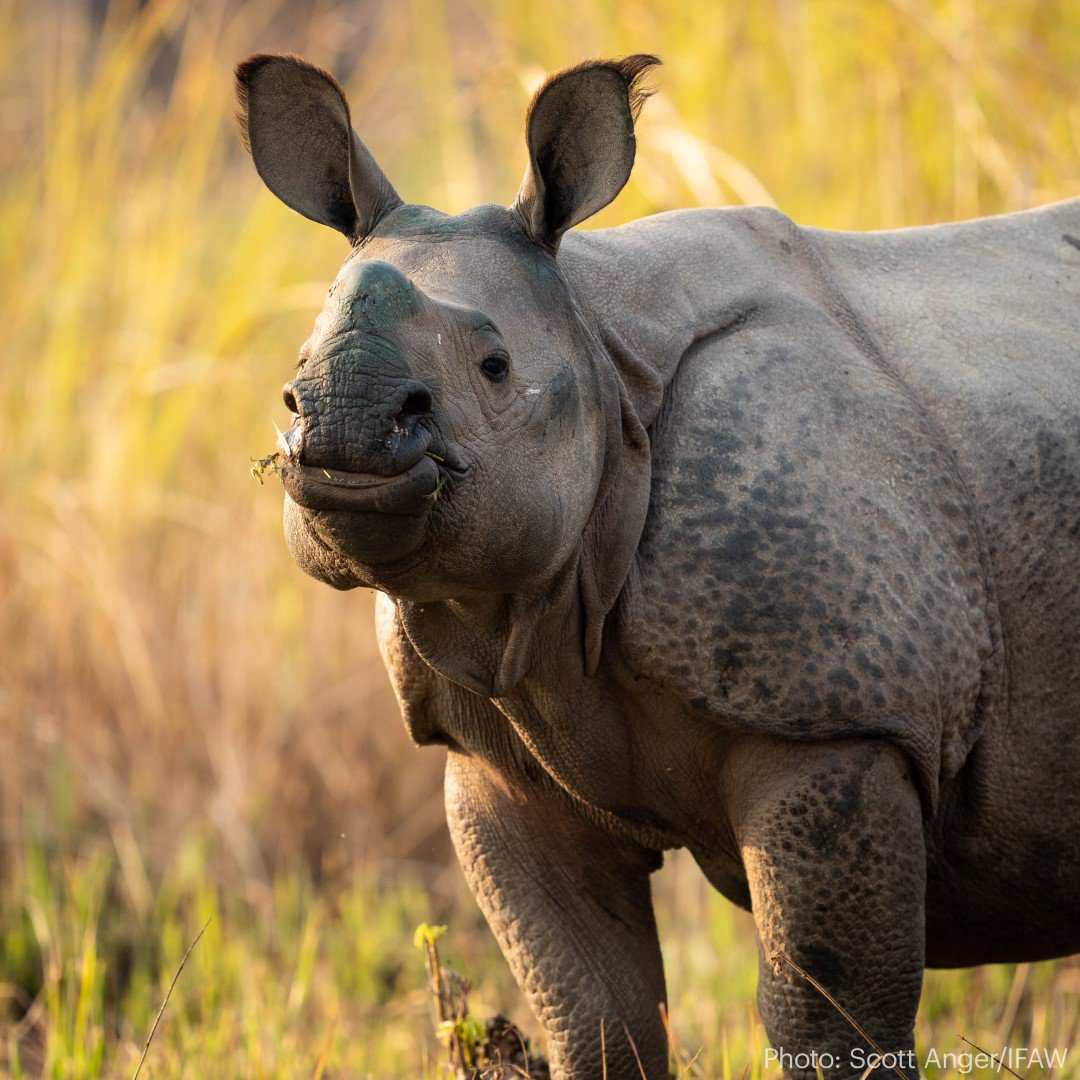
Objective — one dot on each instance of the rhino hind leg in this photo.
(832, 841)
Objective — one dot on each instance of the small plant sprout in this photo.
(473, 1046)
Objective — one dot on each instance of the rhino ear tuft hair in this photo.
(580, 135)
(294, 121)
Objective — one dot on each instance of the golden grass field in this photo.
(189, 728)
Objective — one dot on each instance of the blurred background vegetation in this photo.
(189, 727)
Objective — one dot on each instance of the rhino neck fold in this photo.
(487, 643)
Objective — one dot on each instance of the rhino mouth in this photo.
(420, 465)
(409, 492)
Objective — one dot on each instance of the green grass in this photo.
(294, 980)
(283, 977)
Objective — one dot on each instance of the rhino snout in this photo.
(354, 434)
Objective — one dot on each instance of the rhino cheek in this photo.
(547, 471)
(540, 533)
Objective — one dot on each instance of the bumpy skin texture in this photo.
(573, 912)
(764, 545)
(834, 837)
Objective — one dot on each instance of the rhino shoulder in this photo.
(809, 567)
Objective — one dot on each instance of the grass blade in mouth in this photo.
(288, 443)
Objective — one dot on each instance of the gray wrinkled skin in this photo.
(766, 546)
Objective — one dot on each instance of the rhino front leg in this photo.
(832, 841)
(571, 907)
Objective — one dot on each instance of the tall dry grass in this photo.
(166, 671)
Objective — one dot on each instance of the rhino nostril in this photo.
(289, 397)
(418, 403)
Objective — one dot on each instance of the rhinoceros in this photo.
(712, 532)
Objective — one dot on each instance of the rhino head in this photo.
(460, 431)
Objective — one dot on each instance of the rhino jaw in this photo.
(337, 523)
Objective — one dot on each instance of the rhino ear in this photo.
(580, 134)
(294, 120)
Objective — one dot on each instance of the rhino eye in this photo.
(495, 367)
